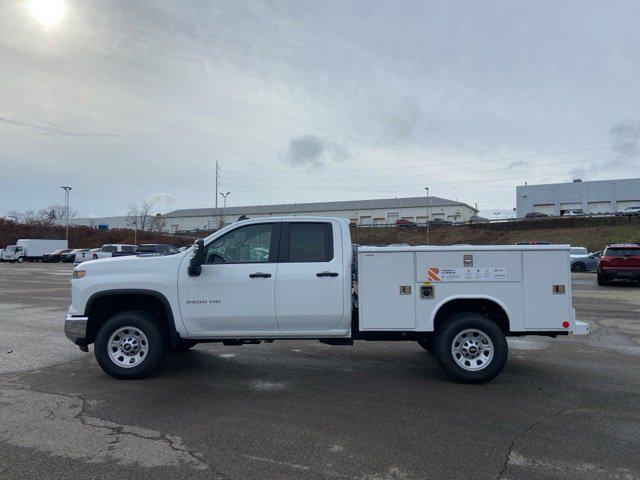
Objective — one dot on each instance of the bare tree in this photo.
(139, 215)
(158, 222)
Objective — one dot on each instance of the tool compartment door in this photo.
(544, 309)
(384, 282)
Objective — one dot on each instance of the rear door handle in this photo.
(259, 275)
(327, 274)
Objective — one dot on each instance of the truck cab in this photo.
(280, 278)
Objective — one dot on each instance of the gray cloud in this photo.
(401, 122)
(625, 137)
(518, 164)
(314, 152)
(44, 127)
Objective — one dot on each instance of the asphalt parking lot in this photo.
(564, 408)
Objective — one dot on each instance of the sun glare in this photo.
(48, 12)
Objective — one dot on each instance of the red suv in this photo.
(619, 261)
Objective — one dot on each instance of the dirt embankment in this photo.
(593, 233)
(83, 237)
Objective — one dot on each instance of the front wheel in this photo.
(131, 344)
(20, 260)
(471, 348)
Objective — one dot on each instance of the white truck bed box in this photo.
(532, 284)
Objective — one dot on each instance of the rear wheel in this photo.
(471, 348)
(603, 280)
(131, 345)
(579, 267)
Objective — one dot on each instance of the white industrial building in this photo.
(602, 196)
(362, 212)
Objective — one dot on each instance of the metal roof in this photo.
(317, 207)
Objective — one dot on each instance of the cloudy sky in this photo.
(311, 101)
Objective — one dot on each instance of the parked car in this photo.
(55, 256)
(71, 256)
(156, 249)
(405, 223)
(440, 221)
(535, 215)
(84, 256)
(630, 211)
(114, 250)
(582, 261)
(620, 261)
(573, 213)
(279, 278)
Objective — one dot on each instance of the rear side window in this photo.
(309, 242)
(622, 252)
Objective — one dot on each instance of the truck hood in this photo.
(130, 263)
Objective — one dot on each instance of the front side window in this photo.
(310, 242)
(249, 244)
(128, 248)
(109, 248)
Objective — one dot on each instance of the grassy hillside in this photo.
(83, 237)
(591, 233)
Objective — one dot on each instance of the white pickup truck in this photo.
(282, 278)
(114, 250)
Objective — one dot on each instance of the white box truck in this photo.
(30, 249)
(281, 278)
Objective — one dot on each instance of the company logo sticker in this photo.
(433, 274)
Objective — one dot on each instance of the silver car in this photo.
(582, 260)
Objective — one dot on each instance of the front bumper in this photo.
(580, 328)
(75, 328)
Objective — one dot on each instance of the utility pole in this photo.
(428, 216)
(224, 195)
(217, 181)
(67, 190)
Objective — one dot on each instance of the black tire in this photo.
(579, 267)
(603, 280)
(150, 326)
(20, 260)
(427, 342)
(184, 345)
(457, 324)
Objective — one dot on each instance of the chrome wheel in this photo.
(472, 349)
(128, 347)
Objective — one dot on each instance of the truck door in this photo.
(310, 279)
(235, 291)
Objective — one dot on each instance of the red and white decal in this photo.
(433, 274)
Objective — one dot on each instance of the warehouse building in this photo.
(602, 196)
(362, 212)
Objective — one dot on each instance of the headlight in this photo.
(79, 273)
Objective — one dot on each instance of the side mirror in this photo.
(197, 258)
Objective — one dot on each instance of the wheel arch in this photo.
(103, 305)
(486, 305)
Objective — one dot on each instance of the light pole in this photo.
(428, 216)
(224, 195)
(67, 191)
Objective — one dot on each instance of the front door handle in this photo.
(259, 275)
(327, 274)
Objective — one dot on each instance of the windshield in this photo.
(579, 251)
(622, 252)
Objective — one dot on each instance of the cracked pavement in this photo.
(563, 408)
